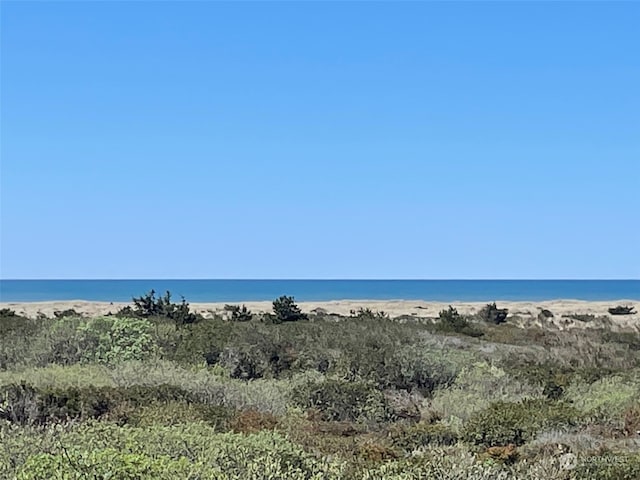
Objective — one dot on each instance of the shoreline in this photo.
(526, 310)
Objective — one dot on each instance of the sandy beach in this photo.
(526, 311)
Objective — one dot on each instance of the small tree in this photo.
(150, 306)
(286, 310)
(452, 321)
(179, 312)
(147, 305)
(239, 314)
(368, 314)
(491, 313)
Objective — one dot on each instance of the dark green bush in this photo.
(66, 313)
(553, 390)
(204, 340)
(286, 310)
(239, 314)
(622, 310)
(148, 306)
(368, 314)
(18, 404)
(10, 322)
(57, 404)
(246, 362)
(451, 321)
(503, 423)
(543, 373)
(492, 314)
(389, 365)
(339, 400)
(24, 404)
(256, 356)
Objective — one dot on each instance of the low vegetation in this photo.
(158, 391)
(622, 310)
(491, 313)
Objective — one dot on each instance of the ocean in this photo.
(320, 290)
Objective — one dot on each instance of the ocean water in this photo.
(321, 290)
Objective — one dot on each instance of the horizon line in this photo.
(330, 279)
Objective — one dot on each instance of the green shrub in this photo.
(191, 451)
(23, 404)
(61, 376)
(609, 467)
(116, 339)
(410, 437)
(339, 400)
(252, 353)
(451, 321)
(368, 314)
(211, 385)
(631, 418)
(553, 389)
(542, 373)
(63, 342)
(630, 339)
(70, 340)
(239, 314)
(478, 385)
(102, 464)
(419, 368)
(605, 398)
(504, 423)
(246, 362)
(9, 322)
(286, 310)
(176, 412)
(18, 404)
(202, 341)
(18, 338)
(492, 314)
(148, 306)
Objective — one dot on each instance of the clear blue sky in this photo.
(320, 140)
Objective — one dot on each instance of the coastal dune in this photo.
(523, 311)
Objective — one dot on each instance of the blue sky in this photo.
(320, 140)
